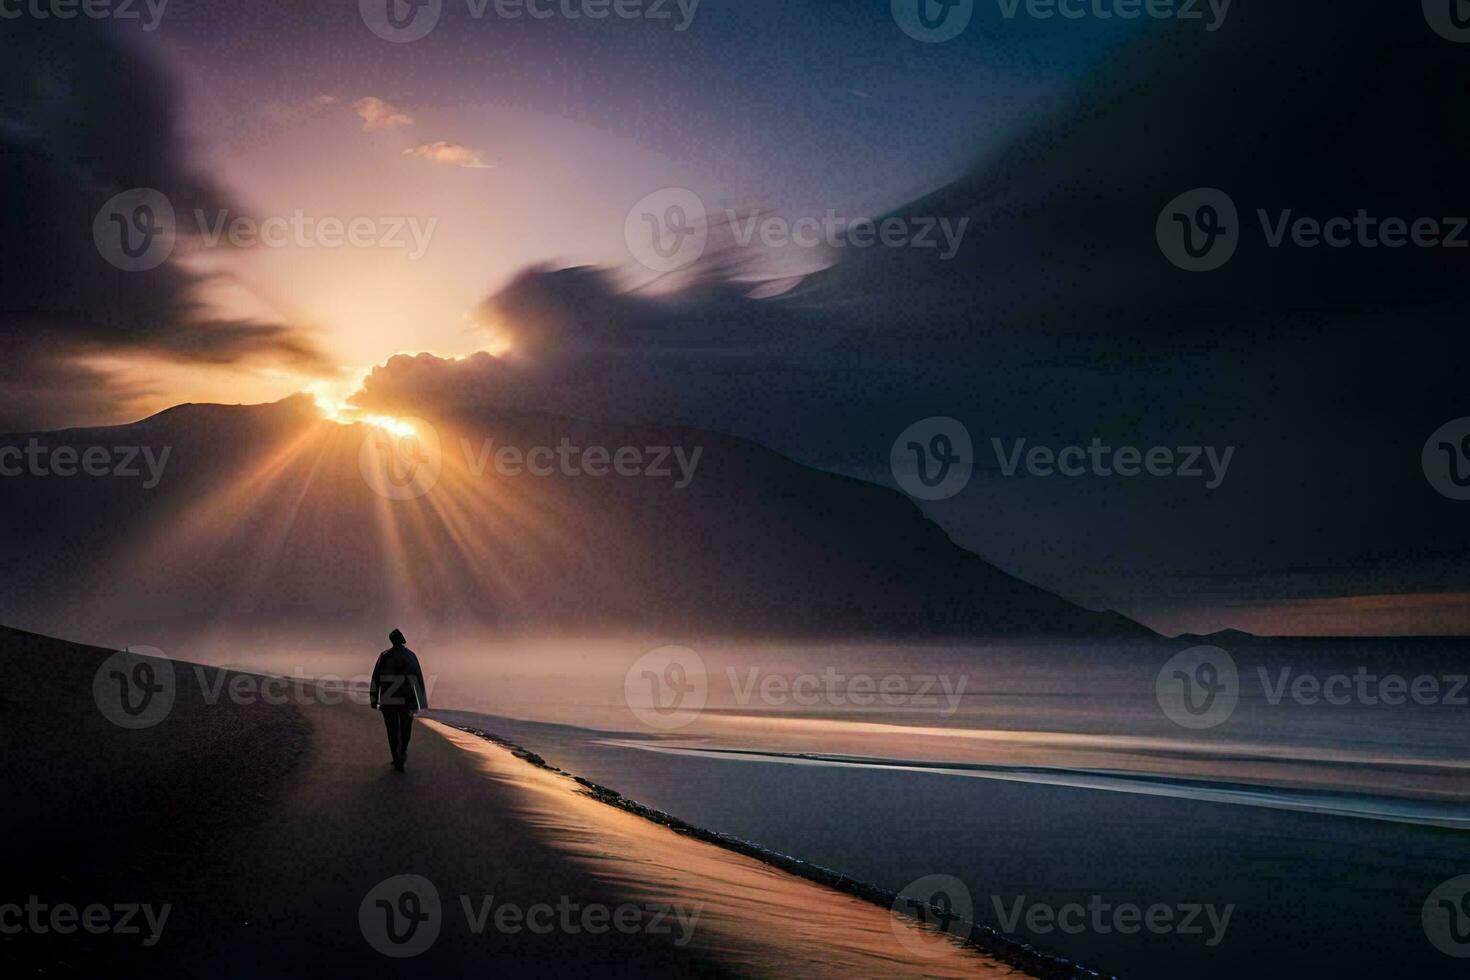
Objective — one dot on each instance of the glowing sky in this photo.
(516, 142)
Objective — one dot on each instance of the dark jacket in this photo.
(398, 682)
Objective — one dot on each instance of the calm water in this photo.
(1337, 896)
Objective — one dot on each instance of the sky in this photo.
(519, 141)
(519, 150)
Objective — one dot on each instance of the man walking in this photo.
(398, 690)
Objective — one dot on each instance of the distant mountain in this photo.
(269, 514)
(1222, 638)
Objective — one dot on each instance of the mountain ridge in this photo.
(268, 513)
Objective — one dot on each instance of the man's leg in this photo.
(405, 732)
(390, 721)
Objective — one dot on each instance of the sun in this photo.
(336, 410)
(397, 427)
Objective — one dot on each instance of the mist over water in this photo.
(1065, 706)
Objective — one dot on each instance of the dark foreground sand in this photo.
(266, 829)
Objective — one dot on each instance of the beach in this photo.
(258, 836)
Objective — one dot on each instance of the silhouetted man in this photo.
(398, 689)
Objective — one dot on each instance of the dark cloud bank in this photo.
(83, 117)
(1060, 320)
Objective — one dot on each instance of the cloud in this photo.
(1060, 320)
(377, 114)
(426, 385)
(579, 345)
(87, 118)
(451, 154)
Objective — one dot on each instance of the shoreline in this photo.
(981, 939)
